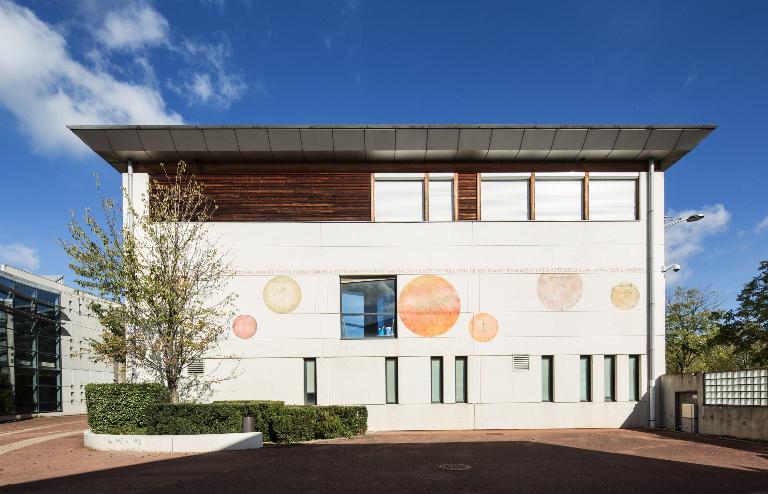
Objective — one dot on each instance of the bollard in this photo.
(248, 424)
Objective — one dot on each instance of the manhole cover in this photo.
(453, 466)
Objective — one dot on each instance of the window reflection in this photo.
(367, 308)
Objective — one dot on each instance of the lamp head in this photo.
(694, 217)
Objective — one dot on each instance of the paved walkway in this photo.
(497, 461)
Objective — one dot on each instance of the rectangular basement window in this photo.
(437, 379)
(609, 372)
(461, 379)
(310, 381)
(368, 308)
(390, 371)
(547, 378)
(634, 378)
(585, 378)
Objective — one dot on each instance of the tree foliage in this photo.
(164, 279)
(691, 323)
(746, 327)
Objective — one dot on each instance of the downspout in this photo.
(120, 367)
(650, 269)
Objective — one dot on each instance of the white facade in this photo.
(78, 325)
(495, 268)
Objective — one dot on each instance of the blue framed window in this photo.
(368, 308)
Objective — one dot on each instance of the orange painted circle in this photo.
(429, 305)
(244, 327)
(483, 327)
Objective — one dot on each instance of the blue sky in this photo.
(364, 61)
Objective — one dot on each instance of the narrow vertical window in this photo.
(609, 370)
(585, 377)
(391, 378)
(547, 381)
(310, 381)
(634, 377)
(441, 197)
(437, 379)
(461, 379)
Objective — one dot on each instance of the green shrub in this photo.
(354, 418)
(214, 418)
(122, 408)
(295, 423)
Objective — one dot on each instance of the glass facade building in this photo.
(30, 348)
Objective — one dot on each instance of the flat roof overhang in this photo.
(322, 144)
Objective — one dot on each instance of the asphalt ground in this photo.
(47, 455)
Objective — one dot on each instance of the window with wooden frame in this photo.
(613, 196)
(559, 196)
(411, 197)
(505, 196)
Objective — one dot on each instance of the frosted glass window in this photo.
(440, 200)
(559, 200)
(437, 379)
(461, 379)
(391, 378)
(546, 378)
(585, 378)
(310, 382)
(634, 378)
(612, 199)
(399, 200)
(609, 370)
(504, 200)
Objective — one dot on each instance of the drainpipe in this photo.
(650, 270)
(129, 219)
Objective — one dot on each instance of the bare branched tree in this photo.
(164, 280)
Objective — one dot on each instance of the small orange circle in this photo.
(483, 327)
(244, 326)
(429, 305)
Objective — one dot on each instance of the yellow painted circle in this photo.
(282, 294)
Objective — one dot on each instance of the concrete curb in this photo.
(193, 443)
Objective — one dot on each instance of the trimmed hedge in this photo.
(145, 409)
(122, 408)
(213, 418)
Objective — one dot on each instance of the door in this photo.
(686, 412)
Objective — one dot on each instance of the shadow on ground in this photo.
(497, 466)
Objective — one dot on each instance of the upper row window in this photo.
(413, 197)
(509, 197)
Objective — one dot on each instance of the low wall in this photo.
(193, 443)
(743, 422)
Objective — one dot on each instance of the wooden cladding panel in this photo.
(309, 196)
(467, 197)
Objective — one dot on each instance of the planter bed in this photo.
(191, 443)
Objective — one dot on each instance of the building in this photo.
(44, 358)
(447, 277)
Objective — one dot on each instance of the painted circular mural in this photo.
(483, 327)
(244, 326)
(282, 294)
(429, 305)
(559, 291)
(625, 296)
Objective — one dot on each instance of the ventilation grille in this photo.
(195, 367)
(521, 362)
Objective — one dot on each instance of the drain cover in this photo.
(453, 466)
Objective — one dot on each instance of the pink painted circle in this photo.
(559, 291)
(244, 326)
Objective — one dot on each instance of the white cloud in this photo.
(20, 256)
(45, 88)
(762, 226)
(210, 83)
(133, 26)
(684, 240)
